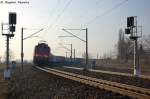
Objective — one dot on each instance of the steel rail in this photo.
(124, 89)
(111, 72)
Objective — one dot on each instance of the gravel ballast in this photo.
(36, 84)
(136, 81)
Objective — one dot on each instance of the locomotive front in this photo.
(41, 54)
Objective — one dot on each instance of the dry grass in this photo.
(3, 83)
(36, 84)
(3, 88)
(114, 65)
(2, 66)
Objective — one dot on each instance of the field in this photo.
(114, 65)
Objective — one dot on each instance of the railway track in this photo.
(110, 72)
(124, 89)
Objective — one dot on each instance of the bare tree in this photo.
(145, 55)
(124, 47)
(121, 46)
(147, 42)
(89, 55)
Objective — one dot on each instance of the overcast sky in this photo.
(103, 18)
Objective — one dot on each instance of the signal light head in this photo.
(127, 31)
(12, 18)
(130, 22)
(133, 37)
(12, 28)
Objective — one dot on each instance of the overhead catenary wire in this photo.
(106, 12)
(33, 34)
(64, 46)
(74, 35)
(59, 15)
(40, 29)
(98, 1)
(87, 11)
(52, 13)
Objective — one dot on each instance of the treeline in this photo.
(125, 48)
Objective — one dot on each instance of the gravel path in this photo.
(36, 84)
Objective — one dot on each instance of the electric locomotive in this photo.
(41, 54)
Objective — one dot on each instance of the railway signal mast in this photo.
(132, 30)
(9, 33)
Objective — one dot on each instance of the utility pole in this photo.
(71, 52)
(22, 54)
(66, 55)
(74, 55)
(22, 38)
(86, 46)
(0, 60)
(97, 56)
(86, 40)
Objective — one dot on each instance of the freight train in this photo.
(43, 56)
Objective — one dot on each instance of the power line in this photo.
(59, 15)
(33, 34)
(89, 9)
(73, 34)
(64, 46)
(52, 12)
(108, 11)
(98, 1)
